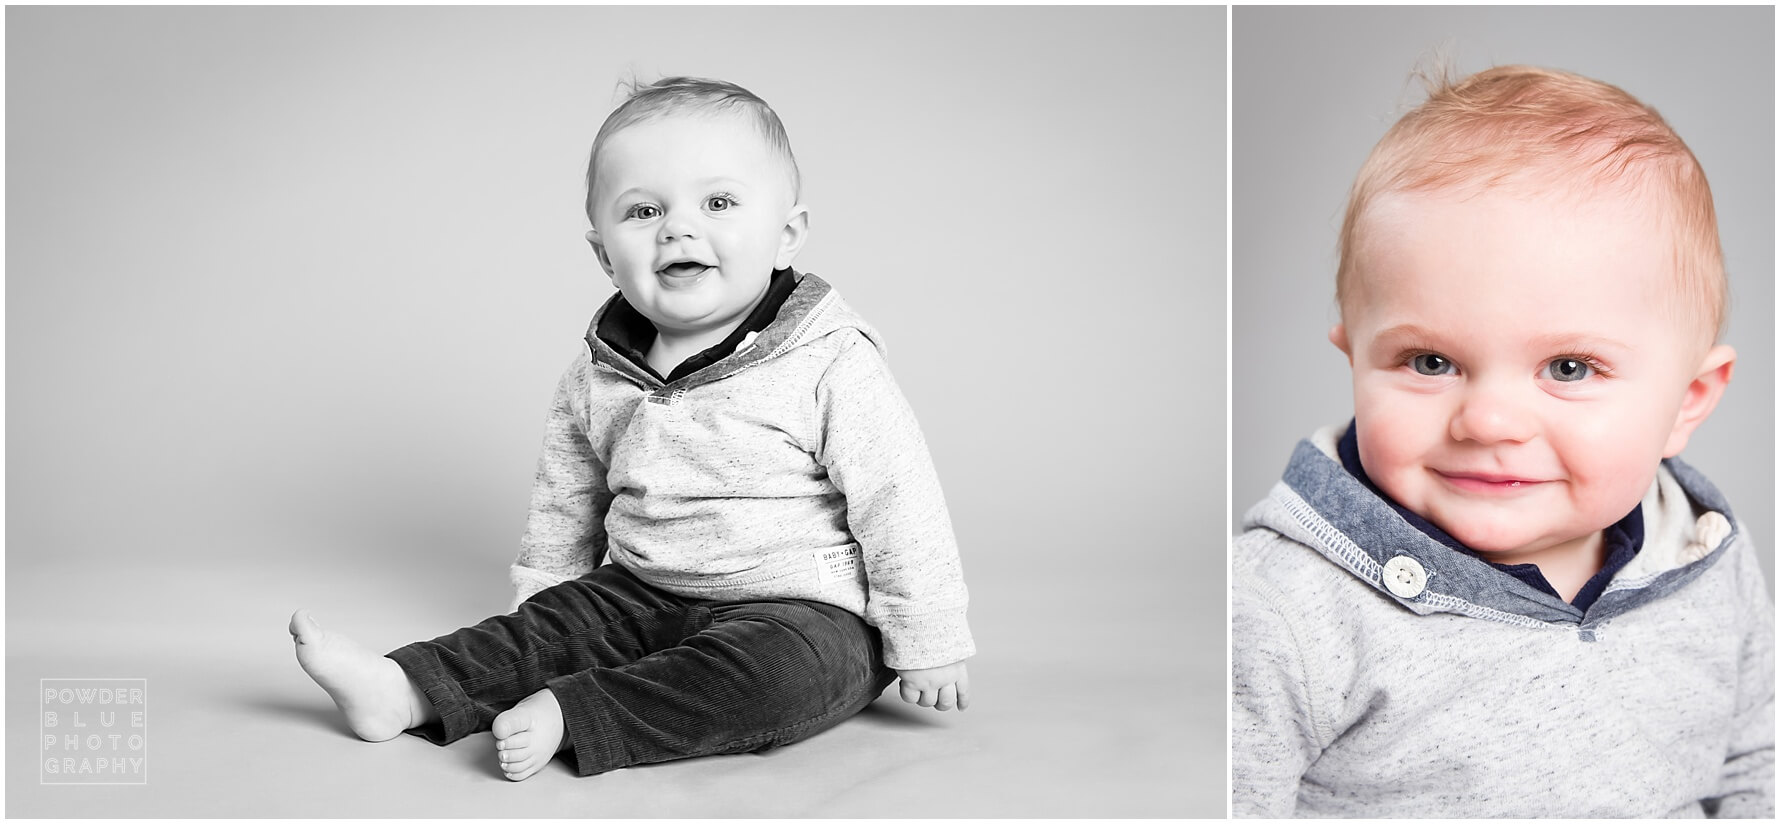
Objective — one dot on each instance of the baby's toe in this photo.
(303, 627)
(509, 723)
(516, 741)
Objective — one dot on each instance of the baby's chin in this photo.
(1502, 543)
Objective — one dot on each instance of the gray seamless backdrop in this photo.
(1315, 88)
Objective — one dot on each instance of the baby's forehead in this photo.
(737, 131)
(1472, 247)
(1570, 211)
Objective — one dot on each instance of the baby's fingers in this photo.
(909, 693)
(948, 698)
(964, 692)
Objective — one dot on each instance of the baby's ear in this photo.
(1702, 396)
(1338, 336)
(599, 250)
(797, 230)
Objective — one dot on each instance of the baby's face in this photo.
(691, 215)
(1518, 371)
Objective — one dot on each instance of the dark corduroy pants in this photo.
(644, 675)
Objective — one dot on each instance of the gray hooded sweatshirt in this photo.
(793, 468)
(1378, 672)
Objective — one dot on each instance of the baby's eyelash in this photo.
(1408, 356)
(1427, 362)
(1593, 361)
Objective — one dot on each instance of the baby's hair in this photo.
(682, 95)
(1535, 128)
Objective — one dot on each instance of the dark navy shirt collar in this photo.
(630, 334)
(1623, 538)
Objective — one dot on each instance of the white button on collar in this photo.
(1405, 577)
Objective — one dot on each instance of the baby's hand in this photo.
(938, 687)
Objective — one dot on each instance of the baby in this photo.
(1496, 592)
(730, 439)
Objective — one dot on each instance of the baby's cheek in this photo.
(1611, 471)
(1391, 459)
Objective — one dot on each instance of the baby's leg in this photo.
(378, 699)
(604, 619)
(748, 677)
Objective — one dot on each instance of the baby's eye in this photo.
(1428, 363)
(1568, 369)
(643, 211)
(719, 203)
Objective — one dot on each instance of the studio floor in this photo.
(234, 728)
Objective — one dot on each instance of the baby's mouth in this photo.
(683, 269)
(1489, 482)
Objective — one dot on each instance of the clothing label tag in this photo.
(839, 563)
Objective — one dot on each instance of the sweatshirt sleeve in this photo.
(875, 455)
(1273, 738)
(1746, 784)
(565, 533)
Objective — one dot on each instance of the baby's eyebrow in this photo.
(1407, 334)
(705, 183)
(1578, 341)
(1404, 333)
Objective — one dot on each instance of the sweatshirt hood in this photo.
(813, 310)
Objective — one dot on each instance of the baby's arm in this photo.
(1746, 784)
(1272, 725)
(565, 533)
(941, 688)
(875, 455)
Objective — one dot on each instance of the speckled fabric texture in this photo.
(793, 468)
(1377, 672)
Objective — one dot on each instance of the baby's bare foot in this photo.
(376, 695)
(527, 736)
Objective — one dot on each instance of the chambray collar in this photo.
(631, 334)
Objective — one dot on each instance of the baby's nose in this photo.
(1492, 414)
(678, 224)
